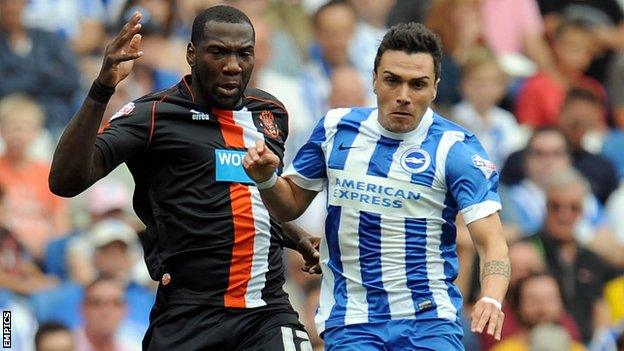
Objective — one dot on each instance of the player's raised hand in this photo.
(260, 162)
(121, 52)
(487, 313)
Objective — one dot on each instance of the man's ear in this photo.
(374, 82)
(435, 90)
(190, 54)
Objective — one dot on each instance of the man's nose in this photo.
(232, 65)
(403, 96)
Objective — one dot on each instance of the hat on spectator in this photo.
(111, 230)
(107, 196)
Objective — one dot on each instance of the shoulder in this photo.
(345, 117)
(258, 99)
(442, 125)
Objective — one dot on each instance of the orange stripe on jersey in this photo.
(242, 215)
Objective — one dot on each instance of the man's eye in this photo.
(216, 52)
(391, 80)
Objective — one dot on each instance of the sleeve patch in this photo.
(124, 111)
(486, 167)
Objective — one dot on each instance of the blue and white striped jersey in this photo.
(389, 246)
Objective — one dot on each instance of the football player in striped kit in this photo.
(397, 176)
(209, 240)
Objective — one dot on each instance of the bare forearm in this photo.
(495, 271)
(293, 235)
(281, 201)
(73, 165)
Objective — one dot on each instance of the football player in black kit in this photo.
(209, 239)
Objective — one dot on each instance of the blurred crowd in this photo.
(540, 82)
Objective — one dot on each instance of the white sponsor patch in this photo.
(124, 111)
(486, 167)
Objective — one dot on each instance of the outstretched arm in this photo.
(284, 199)
(491, 246)
(77, 163)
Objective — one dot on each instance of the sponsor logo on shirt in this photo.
(268, 124)
(229, 167)
(375, 194)
(124, 111)
(486, 167)
(199, 116)
(415, 160)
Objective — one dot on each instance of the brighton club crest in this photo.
(268, 124)
(415, 160)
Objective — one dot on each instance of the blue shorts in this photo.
(397, 335)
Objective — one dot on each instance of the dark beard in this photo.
(207, 97)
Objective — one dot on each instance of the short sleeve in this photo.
(126, 134)
(472, 180)
(308, 169)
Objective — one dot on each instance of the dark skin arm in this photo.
(298, 239)
(77, 163)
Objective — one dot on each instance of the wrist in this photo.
(493, 301)
(100, 92)
(267, 184)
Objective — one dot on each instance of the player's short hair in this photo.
(220, 13)
(412, 38)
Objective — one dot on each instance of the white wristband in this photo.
(493, 301)
(267, 184)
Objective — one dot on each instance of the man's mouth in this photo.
(228, 89)
(400, 114)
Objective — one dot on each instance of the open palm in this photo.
(121, 52)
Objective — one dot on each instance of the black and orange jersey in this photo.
(206, 223)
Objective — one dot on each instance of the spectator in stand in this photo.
(524, 203)
(581, 118)
(36, 63)
(80, 22)
(536, 301)
(347, 88)
(369, 31)
(606, 19)
(459, 25)
(581, 112)
(286, 88)
(513, 29)
(525, 261)
(483, 87)
(54, 336)
(33, 214)
(334, 25)
(541, 96)
(103, 310)
(581, 273)
(18, 272)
